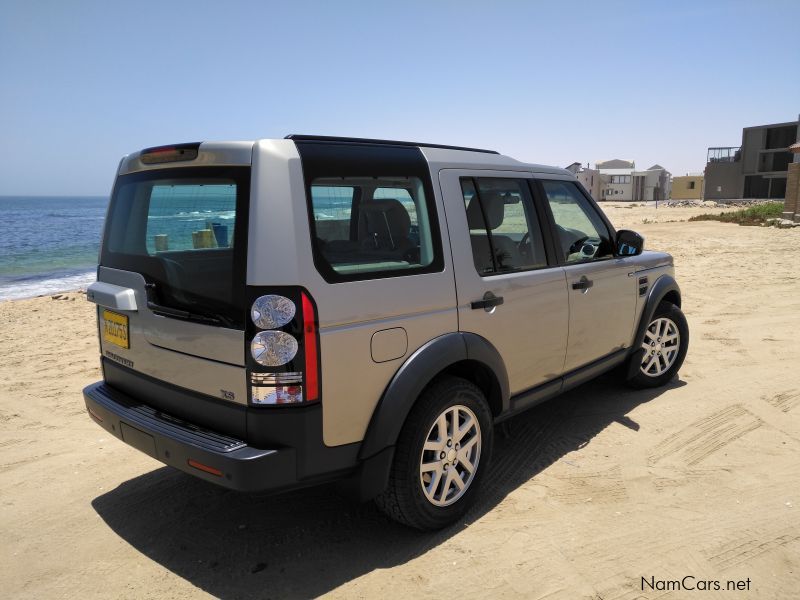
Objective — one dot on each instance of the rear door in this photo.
(508, 291)
(602, 293)
(176, 238)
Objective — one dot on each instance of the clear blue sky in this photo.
(83, 83)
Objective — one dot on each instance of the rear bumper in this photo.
(230, 462)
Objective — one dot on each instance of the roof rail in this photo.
(349, 140)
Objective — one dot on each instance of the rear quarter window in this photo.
(372, 225)
(372, 210)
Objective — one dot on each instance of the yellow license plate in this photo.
(115, 329)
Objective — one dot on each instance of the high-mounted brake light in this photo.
(166, 154)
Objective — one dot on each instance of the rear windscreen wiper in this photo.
(177, 313)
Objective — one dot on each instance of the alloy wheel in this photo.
(450, 456)
(661, 343)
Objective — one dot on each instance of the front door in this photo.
(507, 290)
(602, 294)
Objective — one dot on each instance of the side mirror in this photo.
(629, 243)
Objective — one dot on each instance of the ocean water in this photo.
(48, 244)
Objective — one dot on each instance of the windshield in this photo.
(184, 230)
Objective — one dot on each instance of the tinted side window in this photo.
(582, 234)
(504, 229)
(372, 224)
(372, 211)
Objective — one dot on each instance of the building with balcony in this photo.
(757, 168)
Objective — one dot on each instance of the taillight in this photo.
(283, 348)
(311, 350)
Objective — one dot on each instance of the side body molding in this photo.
(417, 372)
(664, 285)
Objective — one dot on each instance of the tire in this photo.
(666, 341)
(432, 499)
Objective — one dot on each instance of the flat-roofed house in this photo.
(687, 187)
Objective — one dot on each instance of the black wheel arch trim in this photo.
(428, 361)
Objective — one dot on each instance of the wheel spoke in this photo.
(467, 446)
(433, 445)
(464, 429)
(463, 459)
(457, 479)
(651, 335)
(448, 481)
(431, 466)
(441, 426)
(435, 478)
(453, 423)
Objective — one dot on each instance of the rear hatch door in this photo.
(171, 281)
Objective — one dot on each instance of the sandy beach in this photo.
(589, 494)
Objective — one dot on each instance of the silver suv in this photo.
(281, 313)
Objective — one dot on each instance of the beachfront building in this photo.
(590, 178)
(621, 181)
(687, 187)
(756, 169)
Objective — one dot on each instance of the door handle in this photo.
(584, 283)
(488, 303)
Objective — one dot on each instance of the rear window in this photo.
(184, 231)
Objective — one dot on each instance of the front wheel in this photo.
(441, 455)
(666, 340)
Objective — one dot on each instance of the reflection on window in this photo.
(582, 234)
(367, 225)
(187, 217)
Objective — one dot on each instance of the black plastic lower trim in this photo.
(593, 369)
(299, 428)
(176, 443)
(529, 398)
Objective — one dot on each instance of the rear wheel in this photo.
(441, 455)
(665, 342)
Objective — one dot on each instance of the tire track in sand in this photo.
(699, 440)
